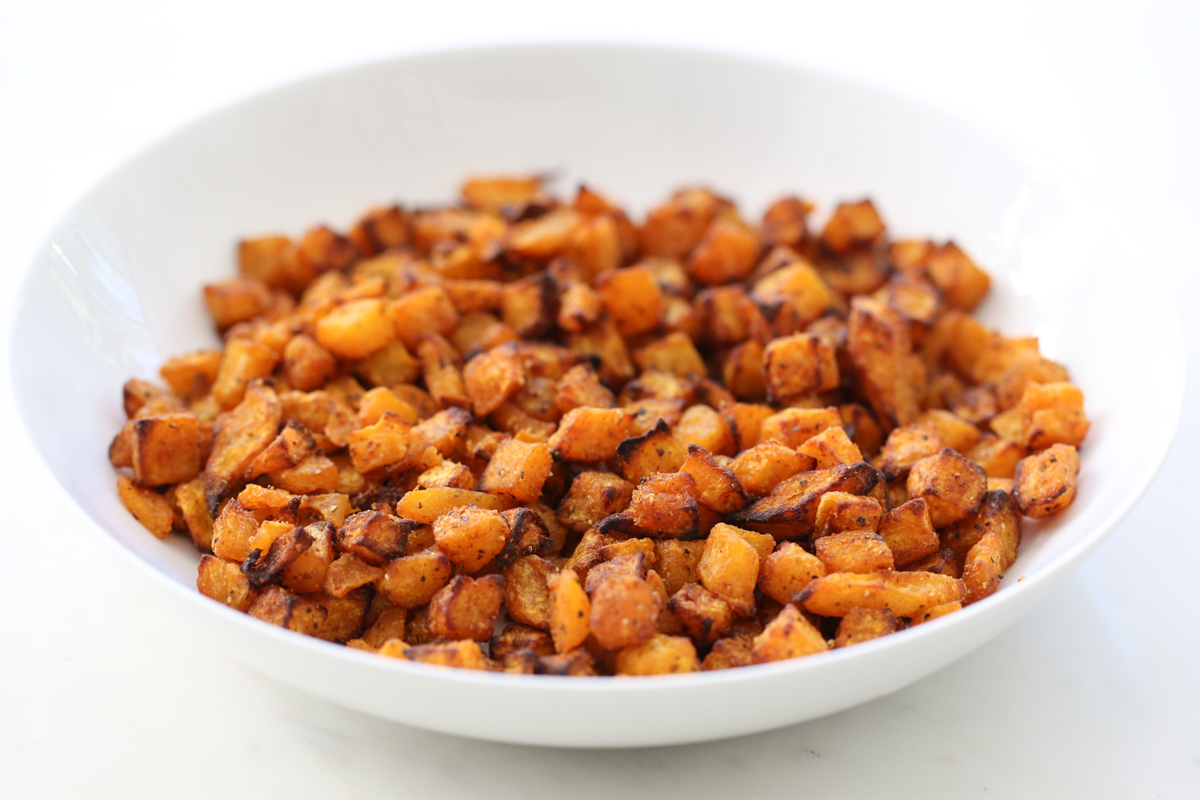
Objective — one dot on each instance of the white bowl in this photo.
(115, 290)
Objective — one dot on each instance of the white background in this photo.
(1094, 694)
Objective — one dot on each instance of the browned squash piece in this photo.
(879, 346)
(471, 536)
(412, 581)
(983, 567)
(838, 512)
(664, 505)
(624, 612)
(673, 353)
(277, 606)
(656, 450)
(239, 438)
(831, 447)
(570, 611)
(234, 301)
(789, 635)
(426, 505)
(224, 582)
(590, 434)
(675, 228)
(717, 486)
(997, 513)
(953, 486)
(851, 226)
(908, 532)
(729, 568)
(244, 361)
(464, 654)
(854, 551)
(790, 510)
(166, 449)
(727, 252)
(903, 593)
(632, 298)
(962, 283)
(703, 614)
(527, 591)
(787, 571)
(800, 364)
(864, 624)
(466, 608)
(661, 655)
(1046, 483)
(792, 427)
(517, 470)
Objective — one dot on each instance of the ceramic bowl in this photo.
(115, 290)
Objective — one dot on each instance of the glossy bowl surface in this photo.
(115, 291)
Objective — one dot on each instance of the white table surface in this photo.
(1094, 694)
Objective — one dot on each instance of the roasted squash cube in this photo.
(166, 449)
(854, 551)
(348, 573)
(665, 505)
(908, 532)
(702, 426)
(703, 614)
(527, 592)
(374, 536)
(466, 608)
(656, 450)
(789, 635)
(149, 507)
(729, 568)
(464, 654)
(864, 624)
(717, 486)
(727, 253)
(661, 655)
(763, 467)
(800, 364)
(492, 377)
(632, 298)
(590, 434)
(997, 513)
(379, 445)
(787, 571)
(673, 353)
(570, 611)
(831, 447)
(983, 567)
(792, 427)
(518, 470)
(277, 606)
(961, 282)
(953, 486)
(224, 582)
(624, 612)
(1045, 483)
(471, 536)
(592, 497)
(243, 361)
(236, 301)
(790, 511)
(412, 581)
(838, 512)
(852, 225)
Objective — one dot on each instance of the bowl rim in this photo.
(1064, 561)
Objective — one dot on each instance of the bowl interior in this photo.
(115, 290)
